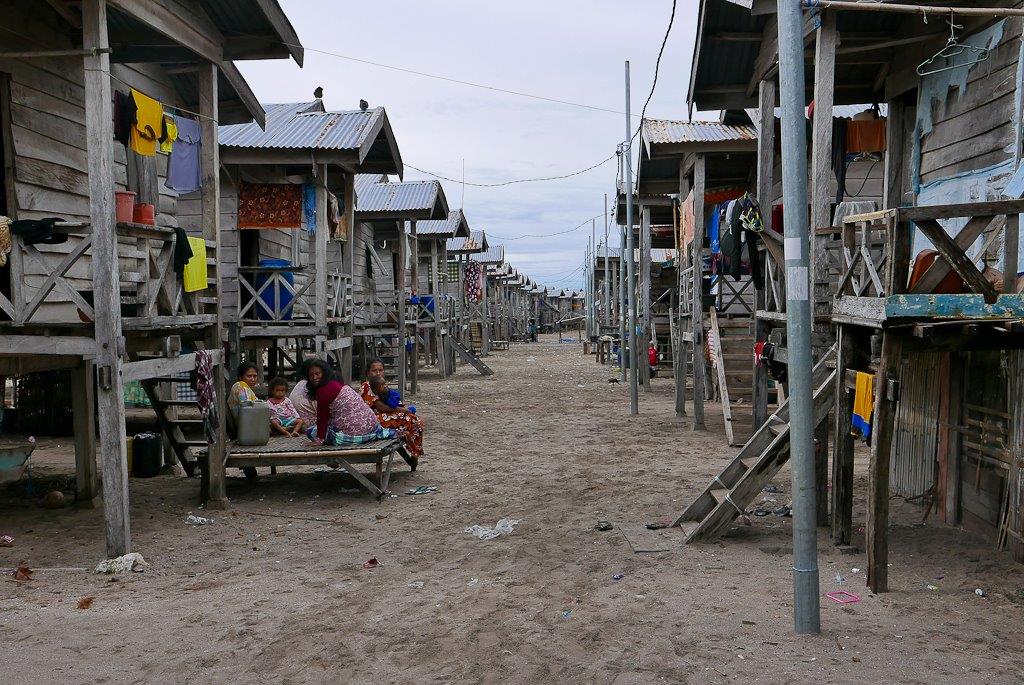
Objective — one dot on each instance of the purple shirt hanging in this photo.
(183, 174)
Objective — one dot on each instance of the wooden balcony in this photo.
(878, 290)
(281, 301)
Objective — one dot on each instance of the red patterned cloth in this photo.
(269, 205)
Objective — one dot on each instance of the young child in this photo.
(284, 418)
(380, 388)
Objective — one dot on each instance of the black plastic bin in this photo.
(147, 455)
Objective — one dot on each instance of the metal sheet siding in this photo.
(916, 437)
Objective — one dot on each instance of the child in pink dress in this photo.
(284, 417)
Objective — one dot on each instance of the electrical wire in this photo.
(519, 180)
(657, 68)
(549, 235)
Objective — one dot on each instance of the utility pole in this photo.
(634, 398)
(593, 278)
(607, 298)
(806, 603)
(623, 359)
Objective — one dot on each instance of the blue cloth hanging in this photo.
(309, 206)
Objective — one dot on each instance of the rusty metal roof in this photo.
(665, 131)
(454, 225)
(475, 243)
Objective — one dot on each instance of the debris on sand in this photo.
(604, 526)
(504, 527)
(132, 561)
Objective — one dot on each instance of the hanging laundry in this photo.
(149, 121)
(309, 206)
(124, 117)
(183, 171)
(863, 404)
(195, 275)
(168, 135)
(474, 282)
(5, 239)
(206, 395)
(182, 251)
(269, 205)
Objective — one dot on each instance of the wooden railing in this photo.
(339, 296)
(288, 301)
(150, 288)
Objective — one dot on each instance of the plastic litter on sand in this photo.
(194, 520)
(132, 561)
(6, 541)
(503, 527)
(416, 584)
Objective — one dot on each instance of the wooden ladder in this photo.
(388, 352)
(732, 351)
(185, 435)
(470, 357)
(762, 456)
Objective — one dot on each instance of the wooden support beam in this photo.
(680, 351)
(960, 262)
(940, 267)
(178, 28)
(106, 289)
(644, 297)
(842, 455)
(401, 298)
(765, 182)
(892, 188)
(1011, 241)
(882, 428)
(320, 252)
(83, 410)
(697, 305)
(215, 493)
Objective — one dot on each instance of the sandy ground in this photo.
(274, 591)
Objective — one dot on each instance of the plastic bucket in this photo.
(124, 206)
(147, 455)
(275, 297)
(144, 213)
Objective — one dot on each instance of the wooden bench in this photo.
(299, 451)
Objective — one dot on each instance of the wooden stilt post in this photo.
(414, 364)
(349, 220)
(83, 408)
(105, 277)
(679, 353)
(644, 295)
(765, 183)
(882, 428)
(697, 305)
(842, 456)
(216, 493)
(439, 303)
(821, 217)
(320, 259)
(401, 300)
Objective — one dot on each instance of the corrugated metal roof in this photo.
(658, 254)
(305, 126)
(838, 111)
(454, 225)
(495, 254)
(475, 243)
(666, 131)
(396, 198)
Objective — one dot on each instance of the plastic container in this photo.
(147, 455)
(144, 213)
(276, 297)
(428, 302)
(124, 206)
(254, 424)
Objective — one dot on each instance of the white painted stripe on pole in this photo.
(796, 283)
(794, 249)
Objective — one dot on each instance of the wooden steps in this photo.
(470, 357)
(731, 491)
(732, 351)
(185, 435)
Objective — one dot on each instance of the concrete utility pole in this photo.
(607, 301)
(634, 398)
(806, 604)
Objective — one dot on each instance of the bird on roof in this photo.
(319, 93)
(363, 105)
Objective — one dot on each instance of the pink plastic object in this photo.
(843, 597)
(125, 206)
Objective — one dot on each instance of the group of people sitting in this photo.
(331, 412)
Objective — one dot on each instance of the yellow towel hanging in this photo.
(194, 277)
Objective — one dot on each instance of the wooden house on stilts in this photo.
(434, 309)
(108, 290)
(917, 306)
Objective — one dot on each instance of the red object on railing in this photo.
(124, 203)
(144, 213)
(952, 284)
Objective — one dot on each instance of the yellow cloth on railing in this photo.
(863, 403)
(194, 277)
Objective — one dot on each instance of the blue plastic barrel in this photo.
(428, 302)
(275, 293)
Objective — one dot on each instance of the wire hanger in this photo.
(953, 49)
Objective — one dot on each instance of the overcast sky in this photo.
(563, 49)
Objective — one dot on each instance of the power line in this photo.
(449, 79)
(520, 180)
(548, 235)
(657, 67)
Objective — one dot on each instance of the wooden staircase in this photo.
(476, 336)
(732, 352)
(732, 490)
(470, 357)
(179, 421)
(386, 348)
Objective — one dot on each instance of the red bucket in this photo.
(124, 206)
(145, 213)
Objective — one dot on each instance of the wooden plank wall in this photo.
(915, 441)
(47, 134)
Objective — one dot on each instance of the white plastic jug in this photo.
(254, 424)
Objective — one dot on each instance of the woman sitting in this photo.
(400, 417)
(241, 392)
(342, 418)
